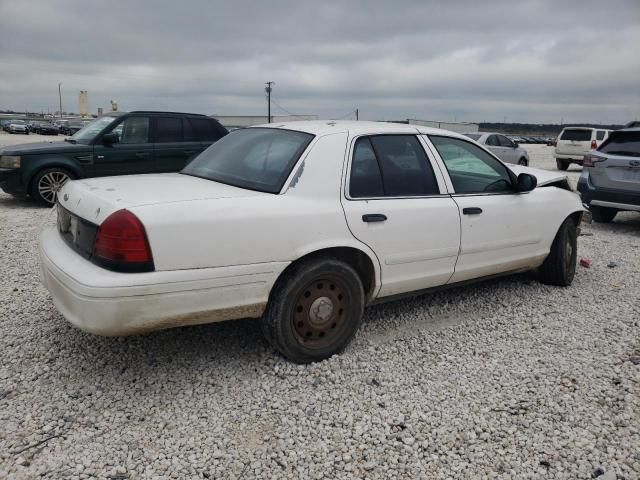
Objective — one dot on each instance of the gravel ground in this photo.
(505, 379)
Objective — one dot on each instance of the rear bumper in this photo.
(573, 158)
(620, 199)
(110, 303)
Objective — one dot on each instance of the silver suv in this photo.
(610, 179)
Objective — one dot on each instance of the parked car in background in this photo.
(610, 179)
(336, 232)
(115, 144)
(5, 125)
(575, 142)
(501, 146)
(515, 138)
(18, 126)
(73, 127)
(46, 128)
(551, 141)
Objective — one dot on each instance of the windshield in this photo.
(253, 158)
(575, 134)
(88, 132)
(622, 143)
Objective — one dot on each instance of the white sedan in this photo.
(302, 224)
(501, 146)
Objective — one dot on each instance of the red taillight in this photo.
(589, 160)
(594, 144)
(121, 244)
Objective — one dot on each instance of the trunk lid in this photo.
(574, 141)
(616, 166)
(94, 199)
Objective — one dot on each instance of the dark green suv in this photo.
(114, 144)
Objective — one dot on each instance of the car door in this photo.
(500, 229)
(508, 149)
(132, 152)
(397, 204)
(176, 143)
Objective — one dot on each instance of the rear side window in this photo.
(622, 143)
(492, 141)
(205, 129)
(169, 129)
(577, 135)
(391, 166)
(600, 135)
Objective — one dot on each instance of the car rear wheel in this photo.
(562, 164)
(47, 183)
(559, 267)
(314, 310)
(603, 214)
(523, 161)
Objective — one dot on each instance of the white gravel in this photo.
(505, 379)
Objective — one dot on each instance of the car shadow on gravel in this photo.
(22, 203)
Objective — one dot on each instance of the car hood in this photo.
(44, 147)
(94, 199)
(544, 177)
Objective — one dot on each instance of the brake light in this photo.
(594, 144)
(590, 160)
(121, 244)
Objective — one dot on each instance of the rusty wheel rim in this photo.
(321, 312)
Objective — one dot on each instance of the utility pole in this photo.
(60, 96)
(268, 90)
(357, 114)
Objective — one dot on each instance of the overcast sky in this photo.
(529, 61)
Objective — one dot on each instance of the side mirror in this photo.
(526, 182)
(516, 144)
(109, 138)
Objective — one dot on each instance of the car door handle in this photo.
(472, 211)
(374, 217)
(143, 154)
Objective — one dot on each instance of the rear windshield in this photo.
(253, 158)
(622, 143)
(575, 134)
(473, 136)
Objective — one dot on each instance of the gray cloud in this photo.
(527, 61)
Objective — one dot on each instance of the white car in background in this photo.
(302, 224)
(501, 146)
(18, 126)
(575, 142)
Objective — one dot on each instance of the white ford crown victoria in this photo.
(302, 224)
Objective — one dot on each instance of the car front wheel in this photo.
(314, 310)
(559, 267)
(523, 161)
(47, 183)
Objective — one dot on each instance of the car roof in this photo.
(158, 112)
(326, 127)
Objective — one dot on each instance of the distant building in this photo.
(84, 104)
(239, 121)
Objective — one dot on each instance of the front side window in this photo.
(505, 142)
(471, 169)
(133, 130)
(492, 141)
(391, 166)
(253, 158)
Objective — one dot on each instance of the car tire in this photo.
(562, 164)
(46, 183)
(559, 267)
(603, 214)
(314, 310)
(524, 162)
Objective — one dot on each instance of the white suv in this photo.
(574, 142)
